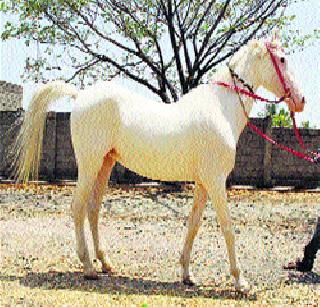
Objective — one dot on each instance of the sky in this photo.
(305, 65)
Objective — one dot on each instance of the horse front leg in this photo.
(217, 193)
(194, 221)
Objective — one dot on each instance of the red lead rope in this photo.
(298, 154)
(296, 131)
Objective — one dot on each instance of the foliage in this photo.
(167, 46)
(306, 124)
(281, 117)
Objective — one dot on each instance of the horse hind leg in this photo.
(84, 188)
(194, 221)
(95, 205)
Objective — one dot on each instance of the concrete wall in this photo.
(285, 167)
(250, 165)
(9, 127)
(258, 163)
(10, 96)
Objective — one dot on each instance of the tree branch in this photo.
(209, 65)
(86, 49)
(171, 30)
(197, 28)
(138, 54)
(213, 28)
(83, 69)
(185, 47)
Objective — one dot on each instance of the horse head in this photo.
(274, 73)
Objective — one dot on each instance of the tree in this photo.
(279, 118)
(167, 46)
(306, 124)
(282, 119)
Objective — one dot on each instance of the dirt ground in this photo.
(143, 229)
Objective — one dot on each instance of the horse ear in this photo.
(258, 48)
(275, 36)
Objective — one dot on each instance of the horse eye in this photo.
(282, 59)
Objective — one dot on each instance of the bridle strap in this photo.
(239, 96)
(234, 75)
(277, 68)
(246, 92)
(287, 93)
(254, 128)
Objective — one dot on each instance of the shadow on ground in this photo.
(303, 278)
(122, 285)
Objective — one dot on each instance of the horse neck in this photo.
(234, 113)
(243, 64)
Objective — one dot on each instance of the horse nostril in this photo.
(303, 100)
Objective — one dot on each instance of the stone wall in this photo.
(65, 160)
(286, 168)
(10, 96)
(250, 158)
(258, 163)
(9, 127)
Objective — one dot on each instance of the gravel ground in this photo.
(143, 231)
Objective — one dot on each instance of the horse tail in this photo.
(28, 145)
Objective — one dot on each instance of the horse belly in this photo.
(158, 165)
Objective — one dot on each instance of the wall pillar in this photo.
(50, 146)
(267, 156)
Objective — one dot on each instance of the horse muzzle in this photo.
(295, 105)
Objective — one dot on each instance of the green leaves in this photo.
(3, 6)
(281, 118)
(306, 124)
(205, 27)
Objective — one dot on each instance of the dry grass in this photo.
(143, 231)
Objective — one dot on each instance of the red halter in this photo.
(278, 71)
(239, 90)
(255, 96)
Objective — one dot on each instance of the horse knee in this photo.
(93, 206)
(81, 255)
(235, 273)
(228, 234)
(182, 260)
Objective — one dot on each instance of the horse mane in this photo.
(240, 58)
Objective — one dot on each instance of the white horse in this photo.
(192, 140)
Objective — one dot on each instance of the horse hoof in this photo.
(242, 286)
(188, 281)
(108, 271)
(91, 276)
